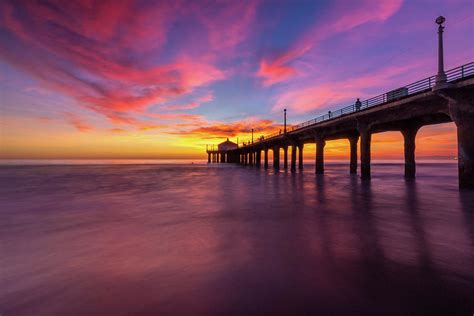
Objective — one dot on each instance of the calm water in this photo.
(228, 240)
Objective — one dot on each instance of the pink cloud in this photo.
(237, 16)
(77, 122)
(343, 17)
(208, 97)
(313, 95)
(112, 61)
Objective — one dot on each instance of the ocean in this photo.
(220, 239)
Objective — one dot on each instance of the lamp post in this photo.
(441, 76)
(284, 129)
(252, 135)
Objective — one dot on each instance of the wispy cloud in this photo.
(207, 97)
(343, 17)
(238, 128)
(106, 58)
(310, 96)
(77, 122)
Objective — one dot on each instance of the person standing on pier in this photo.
(358, 104)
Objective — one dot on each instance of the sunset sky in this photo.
(160, 79)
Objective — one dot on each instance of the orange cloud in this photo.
(241, 128)
(77, 122)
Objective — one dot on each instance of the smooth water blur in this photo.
(229, 240)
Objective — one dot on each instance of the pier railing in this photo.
(419, 86)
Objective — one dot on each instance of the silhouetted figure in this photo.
(358, 104)
(329, 114)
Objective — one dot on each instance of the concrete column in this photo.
(208, 157)
(251, 158)
(285, 157)
(461, 110)
(300, 154)
(409, 135)
(353, 140)
(365, 140)
(258, 158)
(276, 158)
(320, 143)
(293, 157)
(265, 158)
(222, 157)
(466, 154)
(246, 158)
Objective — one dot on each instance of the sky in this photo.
(161, 79)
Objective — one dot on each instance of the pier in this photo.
(447, 96)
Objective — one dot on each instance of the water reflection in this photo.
(225, 240)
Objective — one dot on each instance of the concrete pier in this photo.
(300, 156)
(365, 140)
(293, 157)
(276, 158)
(320, 143)
(353, 140)
(409, 134)
(406, 110)
(461, 111)
(265, 159)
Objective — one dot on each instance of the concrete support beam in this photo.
(320, 143)
(300, 155)
(222, 157)
(353, 140)
(251, 158)
(365, 140)
(293, 157)
(246, 158)
(285, 157)
(409, 135)
(276, 158)
(258, 158)
(265, 158)
(208, 157)
(461, 110)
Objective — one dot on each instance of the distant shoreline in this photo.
(32, 162)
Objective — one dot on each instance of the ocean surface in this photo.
(220, 239)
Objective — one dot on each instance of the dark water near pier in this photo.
(227, 240)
